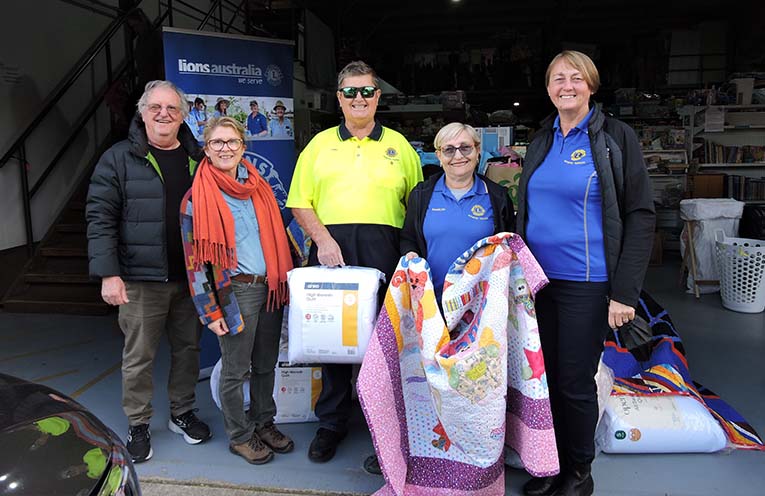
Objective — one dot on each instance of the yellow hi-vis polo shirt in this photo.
(351, 181)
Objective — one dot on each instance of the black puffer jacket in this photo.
(412, 237)
(125, 209)
(627, 201)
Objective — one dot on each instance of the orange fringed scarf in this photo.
(214, 233)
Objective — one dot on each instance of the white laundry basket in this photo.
(741, 263)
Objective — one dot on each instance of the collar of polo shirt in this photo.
(376, 133)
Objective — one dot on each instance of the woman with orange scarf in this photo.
(237, 258)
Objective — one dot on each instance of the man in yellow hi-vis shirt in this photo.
(349, 193)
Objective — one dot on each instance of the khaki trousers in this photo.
(154, 309)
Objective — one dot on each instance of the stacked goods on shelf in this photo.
(744, 188)
(735, 154)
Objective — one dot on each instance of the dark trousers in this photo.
(364, 245)
(252, 353)
(573, 322)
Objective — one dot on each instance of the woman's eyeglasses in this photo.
(449, 151)
(352, 91)
(216, 145)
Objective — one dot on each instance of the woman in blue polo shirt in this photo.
(450, 211)
(586, 212)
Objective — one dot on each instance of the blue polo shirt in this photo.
(257, 124)
(249, 253)
(565, 215)
(452, 226)
(193, 126)
(198, 116)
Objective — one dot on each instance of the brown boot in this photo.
(254, 451)
(274, 438)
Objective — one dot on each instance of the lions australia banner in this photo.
(247, 78)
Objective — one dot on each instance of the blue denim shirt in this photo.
(283, 130)
(249, 252)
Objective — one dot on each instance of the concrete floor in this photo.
(81, 356)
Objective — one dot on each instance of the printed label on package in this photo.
(330, 319)
(294, 393)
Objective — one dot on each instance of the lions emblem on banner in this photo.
(270, 174)
(274, 75)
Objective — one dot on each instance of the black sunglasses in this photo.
(352, 91)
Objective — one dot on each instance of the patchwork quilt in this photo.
(444, 393)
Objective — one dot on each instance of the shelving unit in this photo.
(730, 139)
(732, 132)
(663, 141)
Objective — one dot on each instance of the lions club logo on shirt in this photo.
(478, 211)
(577, 155)
(391, 152)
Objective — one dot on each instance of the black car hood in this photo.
(50, 443)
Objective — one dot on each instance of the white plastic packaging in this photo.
(296, 389)
(658, 424)
(332, 313)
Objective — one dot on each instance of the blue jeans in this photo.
(252, 352)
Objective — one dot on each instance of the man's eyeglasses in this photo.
(352, 91)
(449, 151)
(156, 108)
(216, 145)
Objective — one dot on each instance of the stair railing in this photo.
(103, 43)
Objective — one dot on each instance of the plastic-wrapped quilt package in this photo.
(332, 313)
(296, 389)
(604, 381)
(658, 424)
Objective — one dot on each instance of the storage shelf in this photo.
(731, 166)
(699, 108)
(412, 108)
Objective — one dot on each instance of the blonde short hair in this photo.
(452, 130)
(224, 121)
(582, 63)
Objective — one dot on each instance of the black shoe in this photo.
(139, 443)
(324, 445)
(194, 431)
(577, 481)
(542, 486)
(372, 465)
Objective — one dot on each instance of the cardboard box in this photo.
(506, 175)
(706, 185)
(744, 89)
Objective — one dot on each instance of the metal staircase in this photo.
(55, 277)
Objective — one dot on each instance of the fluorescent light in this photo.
(516, 104)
